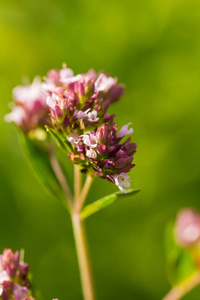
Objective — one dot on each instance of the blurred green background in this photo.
(154, 48)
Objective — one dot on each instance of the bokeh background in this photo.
(154, 48)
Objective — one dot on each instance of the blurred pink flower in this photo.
(30, 109)
(187, 227)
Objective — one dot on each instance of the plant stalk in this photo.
(181, 290)
(83, 257)
(77, 184)
(61, 178)
(80, 237)
(85, 190)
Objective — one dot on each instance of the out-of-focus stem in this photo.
(77, 184)
(21, 255)
(61, 178)
(85, 190)
(181, 290)
(83, 257)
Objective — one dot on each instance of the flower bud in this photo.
(120, 163)
(116, 92)
(75, 158)
(102, 134)
(101, 149)
(11, 270)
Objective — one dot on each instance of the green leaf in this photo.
(180, 262)
(40, 162)
(104, 202)
(60, 140)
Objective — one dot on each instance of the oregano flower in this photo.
(76, 107)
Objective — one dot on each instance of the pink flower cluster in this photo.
(187, 228)
(78, 111)
(14, 283)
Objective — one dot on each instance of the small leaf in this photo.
(40, 162)
(180, 263)
(104, 202)
(60, 140)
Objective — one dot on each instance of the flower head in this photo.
(76, 107)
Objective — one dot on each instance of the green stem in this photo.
(75, 206)
(77, 184)
(181, 290)
(79, 235)
(83, 257)
(85, 190)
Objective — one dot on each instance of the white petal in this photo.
(126, 184)
(51, 102)
(122, 189)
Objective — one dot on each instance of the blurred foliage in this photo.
(180, 261)
(39, 158)
(154, 48)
